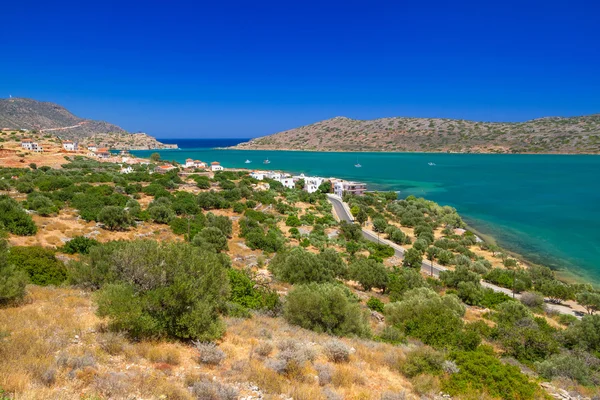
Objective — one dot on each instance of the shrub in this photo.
(161, 214)
(480, 372)
(39, 263)
(369, 273)
(264, 349)
(292, 357)
(79, 244)
(427, 316)
(12, 279)
(209, 353)
(325, 308)
(324, 373)
(423, 360)
(246, 293)
(213, 390)
(391, 334)
(211, 237)
(114, 218)
(293, 221)
(576, 366)
(336, 351)
(532, 299)
(375, 304)
(14, 219)
(300, 266)
(157, 290)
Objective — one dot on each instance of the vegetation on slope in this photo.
(546, 135)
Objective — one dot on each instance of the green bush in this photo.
(12, 279)
(300, 266)
(426, 315)
(325, 308)
(212, 237)
(114, 218)
(293, 220)
(152, 290)
(369, 273)
(79, 244)
(481, 373)
(14, 219)
(247, 294)
(375, 304)
(423, 360)
(39, 263)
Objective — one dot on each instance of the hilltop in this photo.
(575, 135)
(52, 119)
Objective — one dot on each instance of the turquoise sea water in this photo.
(544, 207)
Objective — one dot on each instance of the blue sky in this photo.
(244, 69)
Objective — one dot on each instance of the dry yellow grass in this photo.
(54, 347)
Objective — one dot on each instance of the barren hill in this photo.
(546, 135)
(51, 118)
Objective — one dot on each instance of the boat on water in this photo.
(247, 161)
(357, 165)
(267, 161)
(431, 164)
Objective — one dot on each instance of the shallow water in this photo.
(544, 207)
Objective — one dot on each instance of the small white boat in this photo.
(431, 164)
(247, 161)
(357, 165)
(267, 161)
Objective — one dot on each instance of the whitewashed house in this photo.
(356, 188)
(92, 148)
(126, 170)
(287, 182)
(215, 166)
(69, 145)
(189, 163)
(312, 183)
(103, 153)
(259, 175)
(27, 144)
(199, 164)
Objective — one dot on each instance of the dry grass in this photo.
(56, 348)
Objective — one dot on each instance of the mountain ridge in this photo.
(552, 135)
(46, 117)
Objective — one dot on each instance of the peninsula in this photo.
(552, 135)
(51, 121)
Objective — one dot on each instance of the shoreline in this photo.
(407, 152)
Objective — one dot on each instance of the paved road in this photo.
(343, 213)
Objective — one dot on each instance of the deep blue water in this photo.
(544, 207)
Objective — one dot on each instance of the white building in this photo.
(69, 145)
(92, 148)
(126, 170)
(189, 163)
(356, 188)
(312, 183)
(27, 144)
(287, 182)
(103, 153)
(215, 166)
(259, 175)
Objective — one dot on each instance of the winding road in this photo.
(342, 211)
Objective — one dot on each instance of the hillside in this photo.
(53, 119)
(575, 135)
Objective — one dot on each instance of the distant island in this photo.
(552, 135)
(52, 120)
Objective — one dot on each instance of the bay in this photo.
(543, 207)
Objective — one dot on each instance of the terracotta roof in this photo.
(188, 159)
(197, 161)
(103, 150)
(67, 141)
(166, 166)
(215, 163)
(26, 140)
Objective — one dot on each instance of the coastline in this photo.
(409, 152)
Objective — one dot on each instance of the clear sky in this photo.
(251, 68)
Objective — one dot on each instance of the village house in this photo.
(29, 144)
(258, 175)
(126, 170)
(199, 164)
(103, 153)
(92, 148)
(69, 145)
(163, 169)
(215, 166)
(312, 183)
(356, 188)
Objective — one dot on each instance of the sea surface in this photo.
(543, 207)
